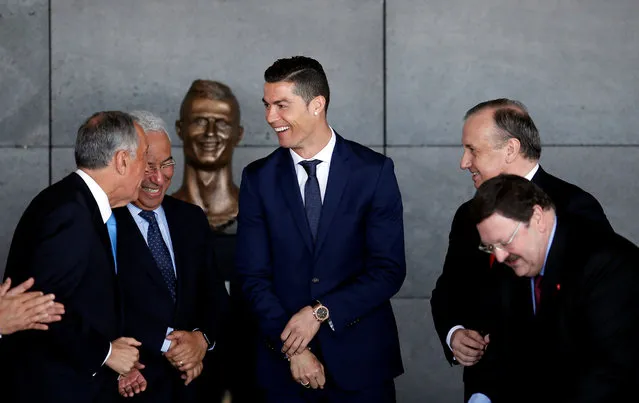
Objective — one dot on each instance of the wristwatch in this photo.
(320, 312)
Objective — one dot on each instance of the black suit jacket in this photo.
(581, 346)
(62, 241)
(149, 309)
(462, 295)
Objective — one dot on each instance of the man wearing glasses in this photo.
(567, 323)
(498, 137)
(173, 300)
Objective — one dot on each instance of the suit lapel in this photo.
(551, 283)
(338, 177)
(137, 249)
(291, 192)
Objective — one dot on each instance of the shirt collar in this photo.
(532, 172)
(135, 210)
(99, 195)
(323, 155)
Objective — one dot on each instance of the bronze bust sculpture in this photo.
(209, 127)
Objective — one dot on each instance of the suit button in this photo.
(315, 280)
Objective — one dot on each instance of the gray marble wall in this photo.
(402, 74)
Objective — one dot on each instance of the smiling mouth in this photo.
(281, 129)
(211, 146)
(151, 190)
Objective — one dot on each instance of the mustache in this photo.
(511, 258)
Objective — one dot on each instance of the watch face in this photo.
(321, 313)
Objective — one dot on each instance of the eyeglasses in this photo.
(166, 167)
(501, 246)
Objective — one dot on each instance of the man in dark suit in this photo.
(174, 300)
(65, 241)
(567, 322)
(499, 136)
(320, 251)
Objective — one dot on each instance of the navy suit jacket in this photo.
(356, 265)
(63, 243)
(149, 309)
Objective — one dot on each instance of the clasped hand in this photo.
(468, 346)
(299, 331)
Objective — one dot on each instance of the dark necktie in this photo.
(113, 235)
(159, 251)
(538, 290)
(312, 195)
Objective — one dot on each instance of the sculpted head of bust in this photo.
(209, 125)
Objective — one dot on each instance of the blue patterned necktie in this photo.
(159, 251)
(113, 235)
(312, 196)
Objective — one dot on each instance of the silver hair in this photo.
(150, 122)
(101, 136)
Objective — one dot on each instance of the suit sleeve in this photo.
(612, 326)
(254, 264)
(58, 260)
(385, 267)
(448, 298)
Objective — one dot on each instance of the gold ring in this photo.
(306, 385)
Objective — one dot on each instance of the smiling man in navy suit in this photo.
(320, 251)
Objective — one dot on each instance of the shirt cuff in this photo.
(450, 334)
(167, 343)
(108, 355)
(478, 398)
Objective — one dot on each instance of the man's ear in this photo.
(512, 149)
(318, 104)
(538, 218)
(121, 161)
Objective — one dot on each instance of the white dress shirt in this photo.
(143, 226)
(322, 169)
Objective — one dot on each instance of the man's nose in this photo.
(210, 127)
(500, 255)
(465, 161)
(271, 114)
(156, 176)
